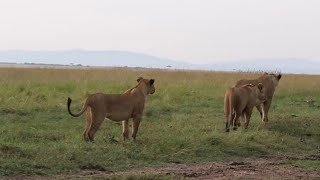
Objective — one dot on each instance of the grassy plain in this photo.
(183, 121)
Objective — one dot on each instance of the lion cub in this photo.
(240, 101)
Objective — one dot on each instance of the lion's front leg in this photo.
(266, 107)
(135, 127)
(125, 129)
(260, 108)
(263, 108)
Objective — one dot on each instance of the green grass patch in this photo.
(183, 121)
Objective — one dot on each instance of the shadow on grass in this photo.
(243, 148)
(13, 151)
(296, 127)
(5, 111)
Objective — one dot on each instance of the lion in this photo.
(116, 107)
(270, 81)
(240, 101)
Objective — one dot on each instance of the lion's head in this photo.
(149, 84)
(258, 92)
(275, 78)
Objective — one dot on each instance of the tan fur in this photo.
(239, 101)
(116, 107)
(270, 82)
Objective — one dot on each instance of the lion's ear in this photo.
(279, 76)
(260, 86)
(151, 81)
(139, 79)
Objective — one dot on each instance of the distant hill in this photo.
(295, 66)
(92, 58)
(132, 59)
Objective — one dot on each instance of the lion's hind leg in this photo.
(125, 129)
(235, 120)
(96, 120)
(88, 126)
(229, 120)
(247, 113)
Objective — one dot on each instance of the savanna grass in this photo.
(183, 121)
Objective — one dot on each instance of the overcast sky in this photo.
(197, 31)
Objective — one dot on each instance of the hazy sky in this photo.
(198, 31)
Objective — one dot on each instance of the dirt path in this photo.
(264, 168)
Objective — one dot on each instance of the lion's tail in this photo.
(78, 114)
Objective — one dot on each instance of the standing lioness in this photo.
(116, 107)
(240, 101)
(270, 81)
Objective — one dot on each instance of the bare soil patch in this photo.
(262, 168)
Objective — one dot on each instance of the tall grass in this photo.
(183, 121)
